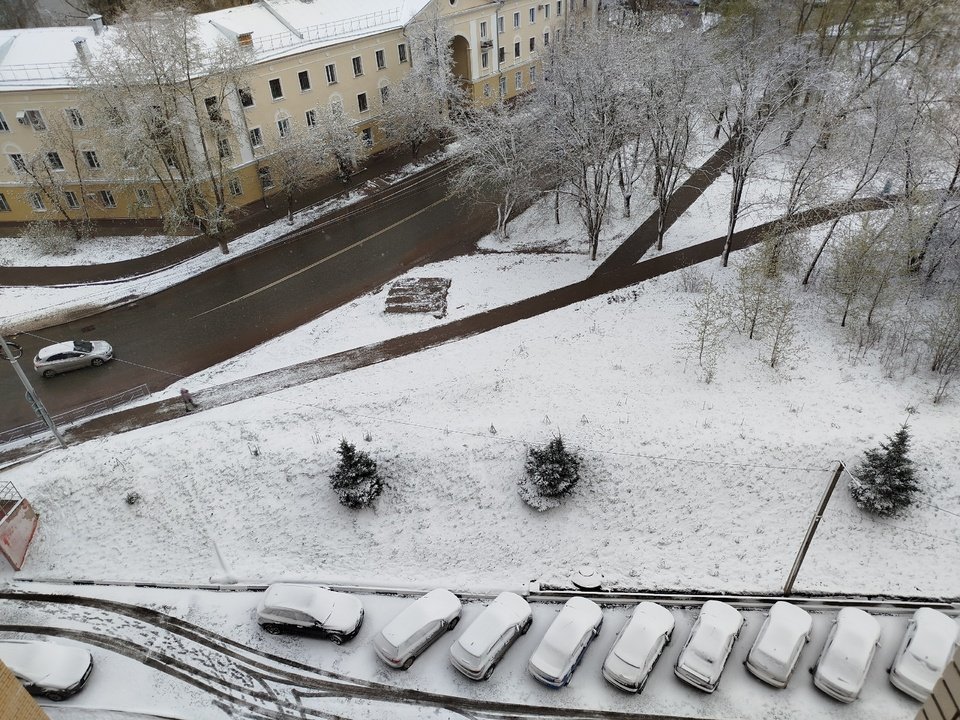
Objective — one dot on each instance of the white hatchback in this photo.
(71, 355)
(477, 652)
(415, 629)
(310, 609)
(928, 644)
(45, 668)
(565, 642)
(779, 643)
(842, 668)
(638, 646)
(707, 648)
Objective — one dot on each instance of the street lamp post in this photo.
(31, 395)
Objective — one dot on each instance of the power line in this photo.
(901, 528)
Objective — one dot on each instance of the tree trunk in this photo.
(556, 204)
(735, 198)
(813, 263)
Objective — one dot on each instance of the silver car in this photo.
(477, 652)
(639, 644)
(62, 357)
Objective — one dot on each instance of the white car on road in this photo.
(777, 648)
(707, 648)
(416, 627)
(477, 652)
(309, 609)
(928, 644)
(565, 642)
(842, 668)
(639, 644)
(45, 668)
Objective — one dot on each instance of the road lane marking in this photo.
(302, 270)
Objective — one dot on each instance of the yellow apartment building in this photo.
(302, 56)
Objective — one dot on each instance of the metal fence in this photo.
(78, 413)
(40, 71)
(326, 31)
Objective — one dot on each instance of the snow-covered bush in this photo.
(884, 483)
(356, 479)
(551, 473)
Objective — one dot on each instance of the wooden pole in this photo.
(811, 529)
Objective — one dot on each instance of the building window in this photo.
(402, 52)
(483, 29)
(283, 127)
(533, 44)
(559, 8)
(500, 55)
(546, 11)
(213, 108)
(246, 97)
(486, 89)
(36, 119)
(533, 74)
(266, 179)
(37, 202)
(75, 118)
(556, 36)
(311, 118)
(516, 49)
(516, 19)
(4, 205)
(143, 197)
(384, 94)
(53, 160)
(518, 80)
(236, 189)
(484, 59)
(304, 77)
(381, 60)
(533, 15)
(223, 146)
(16, 162)
(3, 124)
(357, 66)
(71, 198)
(500, 24)
(366, 136)
(91, 157)
(106, 199)
(362, 102)
(546, 39)
(276, 90)
(256, 137)
(503, 87)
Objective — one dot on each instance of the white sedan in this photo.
(45, 668)
(416, 627)
(309, 609)
(707, 648)
(565, 642)
(842, 668)
(477, 652)
(777, 648)
(928, 644)
(642, 639)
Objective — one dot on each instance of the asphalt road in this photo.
(236, 306)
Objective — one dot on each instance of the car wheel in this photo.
(272, 629)
(56, 696)
(49, 373)
(336, 639)
(596, 630)
(97, 362)
(489, 672)
(409, 661)
(453, 623)
(526, 625)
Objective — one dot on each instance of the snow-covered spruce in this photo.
(551, 473)
(884, 483)
(356, 479)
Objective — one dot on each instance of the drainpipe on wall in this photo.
(496, 47)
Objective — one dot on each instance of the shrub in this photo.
(551, 473)
(884, 483)
(356, 480)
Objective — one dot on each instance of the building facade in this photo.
(56, 160)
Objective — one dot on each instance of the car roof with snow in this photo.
(857, 634)
(435, 605)
(934, 639)
(787, 624)
(303, 598)
(648, 622)
(51, 350)
(507, 609)
(567, 629)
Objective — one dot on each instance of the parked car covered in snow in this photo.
(928, 644)
(49, 669)
(309, 609)
(416, 627)
(62, 357)
(638, 646)
(565, 642)
(779, 643)
(709, 644)
(477, 652)
(842, 668)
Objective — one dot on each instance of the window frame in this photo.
(223, 148)
(483, 29)
(284, 128)
(244, 94)
(533, 16)
(54, 155)
(501, 55)
(533, 44)
(310, 117)
(4, 127)
(518, 81)
(75, 118)
(363, 104)
(73, 202)
(366, 137)
(35, 118)
(17, 163)
(304, 75)
(235, 187)
(516, 49)
(256, 132)
(380, 58)
(330, 70)
(36, 201)
(356, 63)
(279, 88)
(384, 94)
(516, 19)
(107, 199)
(485, 60)
(266, 178)
(402, 52)
(90, 156)
(143, 197)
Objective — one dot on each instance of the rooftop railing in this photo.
(325, 31)
(31, 73)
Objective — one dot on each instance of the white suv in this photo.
(567, 638)
(309, 609)
(477, 652)
(414, 630)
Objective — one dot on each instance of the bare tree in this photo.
(707, 329)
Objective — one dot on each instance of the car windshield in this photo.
(83, 346)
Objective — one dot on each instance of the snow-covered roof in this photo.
(45, 57)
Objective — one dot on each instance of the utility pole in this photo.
(814, 522)
(32, 396)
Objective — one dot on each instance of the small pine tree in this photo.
(885, 483)
(356, 480)
(551, 472)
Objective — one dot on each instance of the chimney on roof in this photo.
(96, 22)
(81, 45)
